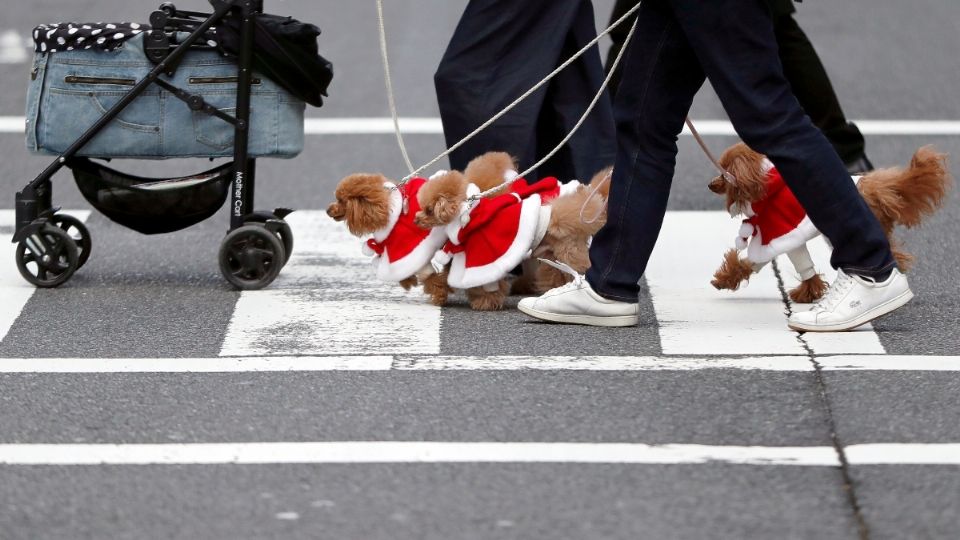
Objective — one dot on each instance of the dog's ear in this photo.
(746, 167)
(366, 215)
(718, 185)
(445, 209)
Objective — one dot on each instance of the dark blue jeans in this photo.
(500, 49)
(678, 44)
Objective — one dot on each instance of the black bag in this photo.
(285, 50)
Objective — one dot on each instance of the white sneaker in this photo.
(577, 303)
(853, 301)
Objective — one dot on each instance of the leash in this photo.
(505, 110)
(388, 80)
(727, 175)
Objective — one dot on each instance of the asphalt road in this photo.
(162, 297)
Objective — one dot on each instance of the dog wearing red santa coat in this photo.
(375, 208)
(777, 224)
(382, 213)
(490, 236)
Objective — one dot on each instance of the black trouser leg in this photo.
(811, 85)
(499, 50)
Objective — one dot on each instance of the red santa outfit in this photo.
(550, 191)
(401, 249)
(776, 224)
(496, 234)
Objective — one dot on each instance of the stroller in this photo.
(231, 83)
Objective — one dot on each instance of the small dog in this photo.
(489, 237)
(895, 196)
(371, 205)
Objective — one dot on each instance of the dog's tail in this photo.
(907, 196)
(566, 212)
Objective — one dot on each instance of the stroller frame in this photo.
(257, 245)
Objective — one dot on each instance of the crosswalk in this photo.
(327, 313)
(327, 303)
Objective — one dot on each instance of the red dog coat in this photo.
(775, 224)
(402, 248)
(498, 233)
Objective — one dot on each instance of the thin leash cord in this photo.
(576, 127)
(509, 107)
(727, 175)
(389, 82)
(593, 193)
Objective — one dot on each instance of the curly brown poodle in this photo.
(443, 199)
(896, 196)
(363, 203)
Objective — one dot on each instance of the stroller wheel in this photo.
(280, 227)
(78, 231)
(48, 257)
(251, 257)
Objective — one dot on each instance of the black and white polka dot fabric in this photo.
(78, 36)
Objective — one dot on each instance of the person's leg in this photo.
(593, 146)
(499, 50)
(662, 76)
(810, 83)
(618, 35)
(734, 42)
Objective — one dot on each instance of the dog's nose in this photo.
(336, 212)
(718, 185)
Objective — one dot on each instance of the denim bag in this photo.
(70, 90)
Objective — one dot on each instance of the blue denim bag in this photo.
(71, 90)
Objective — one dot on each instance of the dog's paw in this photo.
(435, 286)
(809, 291)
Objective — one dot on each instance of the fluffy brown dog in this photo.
(444, 200)
(896, 196)
(367, 205)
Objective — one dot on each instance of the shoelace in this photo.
(837, 291)
(578, 279)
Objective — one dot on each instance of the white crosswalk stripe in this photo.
(13, 47)
(433, 125)
(264, 364)
(327, 302)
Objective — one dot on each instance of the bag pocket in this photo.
(66, 113)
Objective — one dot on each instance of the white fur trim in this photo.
(570, 187)
(452, 229)
(438, 174)
(510, 175)
(440, 259)
(759, 254)
(367, 250)
(463, 278)
(413, 261)
(543, 223)
(765, 166)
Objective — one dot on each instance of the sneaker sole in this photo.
(589, 320)
(871, 315)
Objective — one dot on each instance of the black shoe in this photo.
(859, 166)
